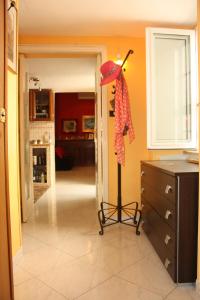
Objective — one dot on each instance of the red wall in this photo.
(69, 107)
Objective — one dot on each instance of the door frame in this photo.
(27, 201)
(102, 122)
(6, 281)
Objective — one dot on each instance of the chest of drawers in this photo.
(169, 197)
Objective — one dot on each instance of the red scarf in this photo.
(123, 122)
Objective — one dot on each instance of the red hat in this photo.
(110, 71)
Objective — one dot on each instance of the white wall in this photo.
(64, 74)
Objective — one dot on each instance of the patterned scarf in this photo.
(123, 122)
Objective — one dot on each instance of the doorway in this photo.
(59, 231)
(75, 141)
(101, 113)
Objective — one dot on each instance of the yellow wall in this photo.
(13, 160)
(136, 79)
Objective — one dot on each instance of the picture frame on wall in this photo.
(12, 35)
(88, 123)
(69, 126)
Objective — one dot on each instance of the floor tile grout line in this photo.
(144, 288)
(170, 293)
(138, 285)
(99, 284)
(49, 268)
(50, 246)
(25, 280)
(81, 294)
(71, 263)
(33, 276)
(52, 289)
(32, 252)
(131, 265)
(44, 283)
(41, 241)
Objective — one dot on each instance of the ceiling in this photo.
(103, 18)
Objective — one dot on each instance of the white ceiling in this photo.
(103, 17)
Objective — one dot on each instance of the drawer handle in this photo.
(167, 239)
(142, 173)
(142, 190)
(167, 263)
(168, 214)
(168, 189)
(142, 206)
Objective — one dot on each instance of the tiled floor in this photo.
(64, 257)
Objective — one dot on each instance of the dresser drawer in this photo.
(165, 208)
(165, 235)
(161, 182)
(165, 252)
(167, 258)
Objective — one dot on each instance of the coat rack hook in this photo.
(127, 55)
(12, 4)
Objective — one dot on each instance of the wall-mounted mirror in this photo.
(171, 88)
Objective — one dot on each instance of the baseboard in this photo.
(17, 256)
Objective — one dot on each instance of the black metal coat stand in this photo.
(128, 214)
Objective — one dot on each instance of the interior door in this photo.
(98, 135)
(27, 199)
(101, 144)
(6, 282)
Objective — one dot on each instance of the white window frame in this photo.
(152, 142)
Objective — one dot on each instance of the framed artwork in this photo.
(88, 123)
(69, 126)
(12, 36)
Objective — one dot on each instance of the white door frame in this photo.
(27, 198)
(102, 123)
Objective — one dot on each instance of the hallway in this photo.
(64, 257)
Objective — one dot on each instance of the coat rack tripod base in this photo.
(128, 214)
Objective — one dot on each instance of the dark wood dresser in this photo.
(169, 196)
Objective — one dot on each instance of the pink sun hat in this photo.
(110, 71)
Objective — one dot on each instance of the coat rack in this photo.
(111, 214)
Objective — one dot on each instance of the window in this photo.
(171, 89)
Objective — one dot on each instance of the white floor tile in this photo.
(118, 289)
(150, 274)
(75, 279)
(20, 275)
(113, 259)
(30, 244)
(43, 259)
(34, 289)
